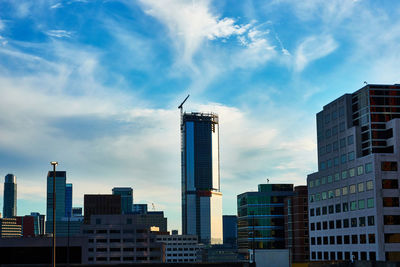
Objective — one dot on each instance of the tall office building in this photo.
(10, 196)
(201, 196)
(261, 217)
(126, 194)
(61, 177)
(354, 197)
(68, 200)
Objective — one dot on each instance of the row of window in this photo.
(118, 249)
(335, 161)
(176, 239)
(345, 239)
(124, 258)
(346, 223)
(334, 130)
(179, 260)
(334, 114)
(343, 175)
(115, 231)
(117, 240)
(335, 145)
(345, 190)
(181, 255)
(339, 255)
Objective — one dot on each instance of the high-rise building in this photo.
(230, 230)
(201, 196)
(354, 197)
(261, 217)
(126, 198)
(68, 200)
(101, 204)
(61, 177)
(10, 196)
(296, 225)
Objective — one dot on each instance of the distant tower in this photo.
(61, 177)
(68, 200)
(126, 198)
(201, 196)
(10, 196)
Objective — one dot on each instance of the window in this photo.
(339, 240)
(345, 223)
(329, 163)
(311, 212)
(352, 189)
(312, 240)
(353, 205)
(311, 184)
(344, 190)
(371, 220)
(324, 210)
(363, 239)
(330, 208)
(330, 179)
(350, 140)
(312, 198)
(392, 238)
(360, 187)
(323, 180)
(337, 208)
(323, 194)
(328, 133)
(335, 146)
(317, 182)
(318, 226)
(328, 148)
(390, 184)
(360, 170)
(361, 221)
(368, 167)
(371, 238)
(354, 239)
(325, 238)
(370, 185)
(370, 203)
(345, 207)
(337, 192)
(331, 194)
(351, 155)
(331, 224)
(343, 158)
(318, 197)
(361, 204)
(342, 142)
(389, 166)
(352, 172)
(337, 176)
(332, 240)
(334, 130)
(341, 126)
(318, 211)
(344, 174)
(353, 222)
(319, 240)
(338, 224)
(346, 239)
(312, 226)
(390, 201)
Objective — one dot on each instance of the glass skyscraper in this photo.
(201, 196)
(61, 177)
(10, 196)
(126, 194)
(68, 200)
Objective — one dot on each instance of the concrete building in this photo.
(354, 197)
(101, 204)
(261, 217)
(126, 194)
(10, 228)
(230, 230)
(201, 196)
(116, 239)
(179, 248)
(10, 196)
(296, 225)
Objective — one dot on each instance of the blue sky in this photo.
(96, 85)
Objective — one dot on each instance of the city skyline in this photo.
(96, 85)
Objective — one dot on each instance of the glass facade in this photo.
(261, 217)
(68, 200)
(60, 185)
(201, 197)
(10, 196)
(126, 194)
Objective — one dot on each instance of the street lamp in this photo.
(54, 163)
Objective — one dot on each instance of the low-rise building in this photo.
(180, 248)
(10, 228)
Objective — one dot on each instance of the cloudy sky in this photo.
(96, 85)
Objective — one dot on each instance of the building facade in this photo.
(201, 196)
(10, 196)
(126, 194)
(116, 239)
(354, 197)
(230, 230)
(10, 228)
(101, 204)
(261, 217)
(179, 248)
(60, 184)
(296, 225)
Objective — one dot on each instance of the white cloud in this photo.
(57, 5)
(59, 33)
(190, 23)
(313, 48)
(2, 25)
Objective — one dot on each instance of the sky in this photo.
(95, 85)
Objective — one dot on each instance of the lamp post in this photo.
(54, 163)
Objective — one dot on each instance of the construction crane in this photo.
(181, 108)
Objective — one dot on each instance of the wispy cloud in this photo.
(59, 33)
(313, 48)
(57, 5)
